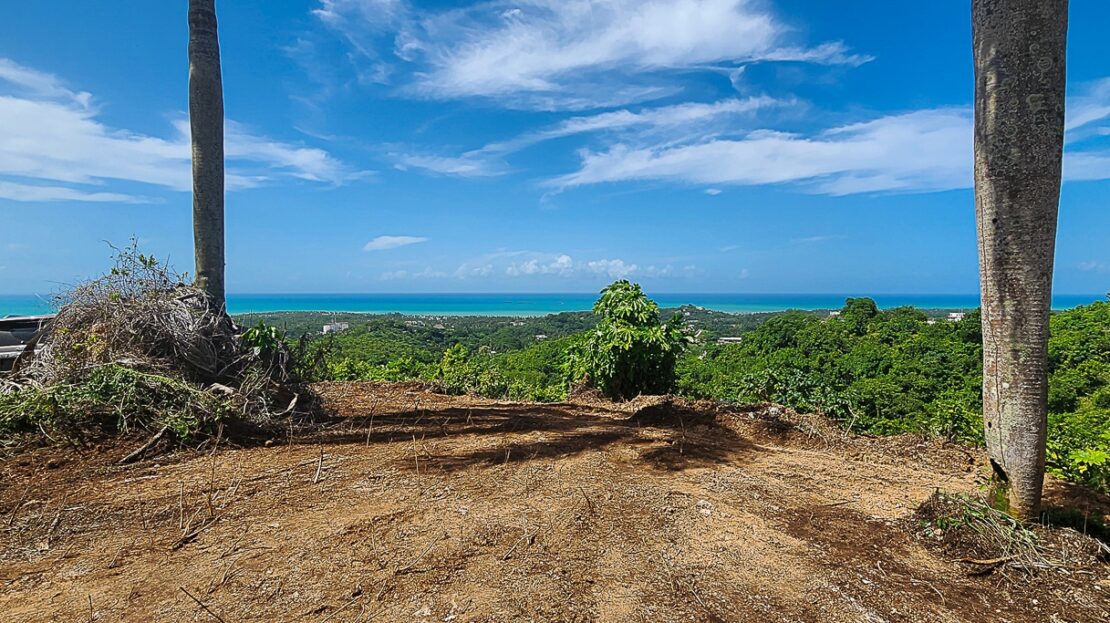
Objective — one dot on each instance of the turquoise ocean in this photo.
(539, 304)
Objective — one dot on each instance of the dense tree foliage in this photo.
(884, 372)
(876, 371)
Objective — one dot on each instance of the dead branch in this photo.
(201, 604)
(133, 456)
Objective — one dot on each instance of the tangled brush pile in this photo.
(140, 348)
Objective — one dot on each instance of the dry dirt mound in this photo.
(414, 506)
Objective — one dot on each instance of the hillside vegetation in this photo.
(874, 371)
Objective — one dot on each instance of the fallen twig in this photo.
(530, 538)
(319, 467)
(192, 534)
(408, 568)
(146, 446)
(201, 604)
(341, 608)
(987, 562)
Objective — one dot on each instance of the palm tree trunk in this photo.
(206, 122)
(1019, 48)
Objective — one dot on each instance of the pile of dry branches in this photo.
(146, 320)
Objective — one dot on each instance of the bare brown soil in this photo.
(420, 507)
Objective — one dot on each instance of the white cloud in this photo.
(712, 192)
(401, 275)
(49, 133)
(1090, 106)
(564, 265)
(37, 83)
(614, 269)
(461, 166)
(813, 239)
(920, 151)
(564, 54)
(31, 193)
(662, 123)
(1094, 266)
(925, 150)
(382, 243)
(561, 265)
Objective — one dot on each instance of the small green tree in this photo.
(630, 352)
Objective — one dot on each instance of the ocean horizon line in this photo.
(543, 303)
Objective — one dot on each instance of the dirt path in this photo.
(419, 507)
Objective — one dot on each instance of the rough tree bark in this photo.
(1019, 48)
(206, 122)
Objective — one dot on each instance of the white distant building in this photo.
(834, 314)
(729, 340)
(956, 316)
(336, 327)
(541, 337)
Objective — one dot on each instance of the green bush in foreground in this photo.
(113, 398)
(629, 352)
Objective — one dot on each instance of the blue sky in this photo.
(538, 145)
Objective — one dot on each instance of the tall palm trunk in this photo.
(1019, 48)
(206, 121)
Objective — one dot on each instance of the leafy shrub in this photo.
(113, 398)
(402, 369)
(460, 373)
(629, 352)
(263, 339)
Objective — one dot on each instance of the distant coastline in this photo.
(534, 304)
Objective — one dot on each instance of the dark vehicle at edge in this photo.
(15, 333)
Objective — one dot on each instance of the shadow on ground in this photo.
(665, 437)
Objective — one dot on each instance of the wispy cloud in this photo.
(1089, 106)
(40, 84)
(49, 133)
(920, 151)
(562, 54)
(34, 193)
(925, 150)
(563, 265)
(1094, 266)
(684, 121)
(466, 165)
(402, 275)
(814, 239)
(383, 243)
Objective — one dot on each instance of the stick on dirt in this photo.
(201, 604)
(319, 467)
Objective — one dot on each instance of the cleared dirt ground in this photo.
(420, 507)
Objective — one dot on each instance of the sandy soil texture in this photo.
(413, 506)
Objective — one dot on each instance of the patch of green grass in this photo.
(113, 398)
